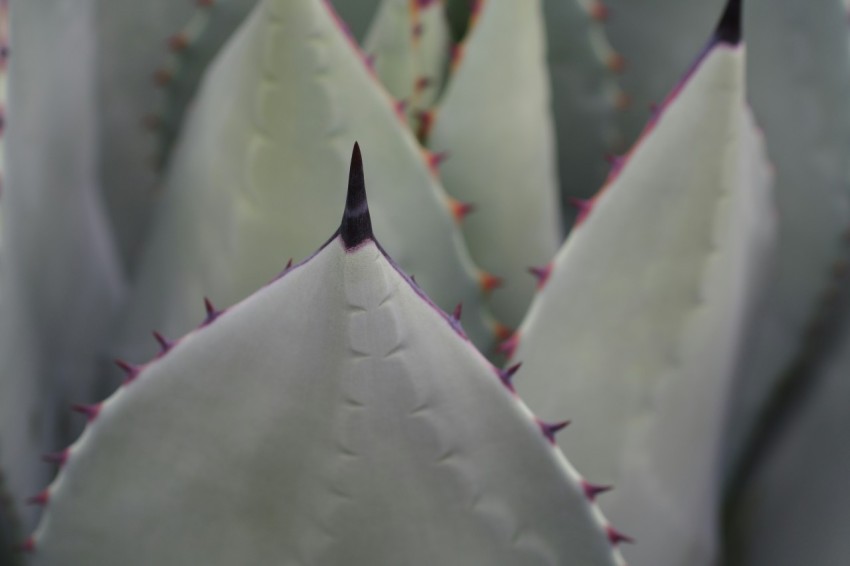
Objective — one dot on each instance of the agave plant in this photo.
(296, 406)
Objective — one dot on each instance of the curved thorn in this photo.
(509, 346)
(616, 537)
(59, 458)
(90, 411)
(39, 499)
(489, 282)
(551, 429)
(542, 273)
(592, 491)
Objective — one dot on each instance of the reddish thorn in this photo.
(164, 344)
(592, 491)
(542, 274)
(212, 314)
(26, 546)
(616, 63)
(90, 411)
(507, 376)
(489, 282)
(454, 320)
(584, 208)
(599, 11)
(59, 458)
(460, 210)
(401, 107)
(41, 499)
(551, 429)
(288, 265)
(509, 346)
(130, 371)
(501, 331)
(426, 120)
(422, 83)
(178, 42)
(370, 61)
(162, 77)
(617, 537)
(435, 159)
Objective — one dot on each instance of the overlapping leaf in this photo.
(334, 417)
(259, 167)
(637, 334)
(59, 276)
(495, 124)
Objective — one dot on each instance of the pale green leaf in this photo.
(335, 417)
(495, 125)
(637, 334)
(259, 168)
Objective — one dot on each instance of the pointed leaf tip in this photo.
(729, 28)
(356, 223)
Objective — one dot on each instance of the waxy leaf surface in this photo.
(334, 417)
(637, 333)
(258, 171)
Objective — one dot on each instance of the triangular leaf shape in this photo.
(495, 124)
(637, 332)
(258, 171)
(798, 81)
(334, 417)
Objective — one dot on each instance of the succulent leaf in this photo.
(799, 80)
(495, 123)
(637, 333)
(190, 52)
(259, 167)
(27, 404)
(334, 417)
(586, 96)
(795, 509)
(408, 46)
(130, 40)
(799, 87)
(61, 281)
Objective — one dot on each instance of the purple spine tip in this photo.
(212, 313)
(729, 28)
(164, 344)
(616, 537)
(592, 491)
(130, 371)
(56, 457)
(507, 375)
(90, 411)
(551, 429)
(356, 222)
